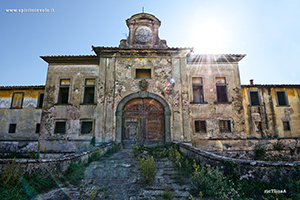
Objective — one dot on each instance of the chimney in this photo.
(251, 81)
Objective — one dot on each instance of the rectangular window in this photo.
(37, 128)
(40, 100)
(198, 96)
(254, 98)
(89, 91)
(225, 126)
(17, 100)
(12, 128)
(63, 96)
(200, 126)
(286, 126)
(142, 73)
(257, 126)
(282, 99)
(86, 127)
(221, 88)
(60, 127)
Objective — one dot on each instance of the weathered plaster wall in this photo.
(210, 110)
(270, 114)
(25, 118)
(72, 112)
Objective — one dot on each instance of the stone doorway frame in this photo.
(142, 94)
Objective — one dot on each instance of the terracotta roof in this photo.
(71, 58)
(272, 85)
(23, 87)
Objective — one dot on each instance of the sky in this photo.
(267, 31)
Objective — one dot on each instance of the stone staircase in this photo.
(118, 178)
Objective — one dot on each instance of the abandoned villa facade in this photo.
(147, 93)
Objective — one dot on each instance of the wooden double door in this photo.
(143, 122)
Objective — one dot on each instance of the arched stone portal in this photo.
(144, 136)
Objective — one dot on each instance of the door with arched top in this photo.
(143, 122)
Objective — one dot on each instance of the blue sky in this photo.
(266, 30)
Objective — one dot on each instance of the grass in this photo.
(15, 185)
(221, 182)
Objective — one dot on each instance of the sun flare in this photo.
(208, 37)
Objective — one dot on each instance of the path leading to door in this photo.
(117, 177)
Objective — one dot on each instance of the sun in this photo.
(208, 37)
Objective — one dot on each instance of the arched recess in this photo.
(142, 94)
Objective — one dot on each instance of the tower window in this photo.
(221, 88)
(198, 96)
(89, 91)
(142, 73)
(63, 96)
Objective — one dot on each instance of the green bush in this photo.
(207, 180)
(259, 153)
(147, 169)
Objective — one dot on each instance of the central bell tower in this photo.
(143, 32)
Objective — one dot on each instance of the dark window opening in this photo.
(17, 100)
(143, 73)
(225, 126)
(60, 127)
(200, 126)
(286, 126)
(222, 94)
(63, 95)
(254, 99)
(281, 98)
(41, 100)
(86, 127)
(37, 128)
(12, 128)
(198, 94)
(89, 91)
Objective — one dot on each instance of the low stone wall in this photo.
(276, 148)
(55, 165)
(248, 169)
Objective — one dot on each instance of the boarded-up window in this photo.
(89, 91)
(225, 126)
(41, 100)
(200, 126)
(221, 88)
(281, 98)
(12, 128)
(142, 73)
(37, 128)
(63, 96)
(286, 126)
(17, 100)
(254, 98)
(60, 127)
(86, 127)
(198, 96)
